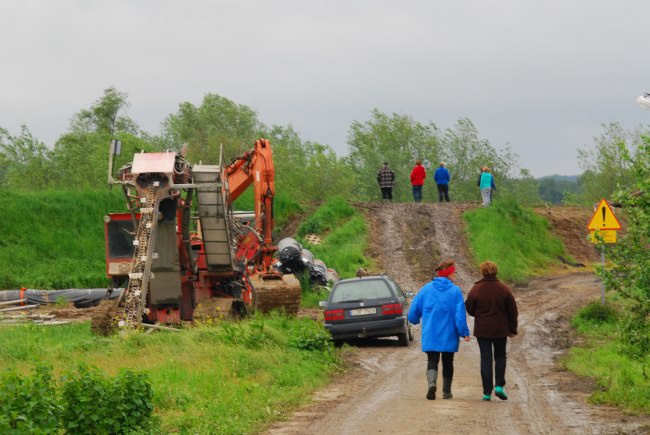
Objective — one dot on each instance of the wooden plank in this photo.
(17, 301)
(162, 328)
(26, 307)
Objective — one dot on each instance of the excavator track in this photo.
(273, 292)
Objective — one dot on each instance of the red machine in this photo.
(182, 249)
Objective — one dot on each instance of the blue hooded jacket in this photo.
(441, 307)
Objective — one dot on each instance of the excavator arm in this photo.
(256, 167)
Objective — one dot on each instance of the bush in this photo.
(635, 335)
(86, 402)
(29, 404)
(597, 313)
(311, 336)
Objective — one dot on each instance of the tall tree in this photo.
(606, 166)
(25, 161)
(104, 115)
(217, 121)
(306, 170)
(398, 140)
(630, 256)
(80, 156)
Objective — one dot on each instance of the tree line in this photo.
(305, 170)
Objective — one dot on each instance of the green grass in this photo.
(284, 207)
(620, 380)
(515, 238)
(226, 378)
(344, 235)
(54, 239)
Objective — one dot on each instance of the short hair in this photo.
(445, 264)
(488, 268)
(442, 163)
(386, 163)
(417, 162)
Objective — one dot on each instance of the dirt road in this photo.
(384, 392)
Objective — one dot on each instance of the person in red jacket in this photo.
(494, 309)
(418, 174)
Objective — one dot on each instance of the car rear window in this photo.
(366, 289)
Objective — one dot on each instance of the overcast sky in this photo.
(538, 75)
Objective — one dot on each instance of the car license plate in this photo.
(363, 311)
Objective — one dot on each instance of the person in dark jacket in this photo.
(442, 182)
(386, 180)
(439, 304)
(494, 309)
(418, 174)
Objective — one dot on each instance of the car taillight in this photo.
(334, 315)
(391, 309)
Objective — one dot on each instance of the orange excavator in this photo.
(181, 252)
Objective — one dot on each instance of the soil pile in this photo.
(570, 225)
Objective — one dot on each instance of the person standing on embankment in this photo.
(418, 174)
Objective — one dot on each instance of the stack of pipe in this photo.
(81, 298)
(293, 258)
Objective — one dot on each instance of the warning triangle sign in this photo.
(603, 218)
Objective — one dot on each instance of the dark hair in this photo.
(445, 264)
(386, 163)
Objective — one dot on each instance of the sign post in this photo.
(603, 226)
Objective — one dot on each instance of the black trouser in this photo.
(443, 190)
(387, 193)
(486, 345)
(447, 363)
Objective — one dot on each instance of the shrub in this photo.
(311, 336)
(597, 313)
(29, 404)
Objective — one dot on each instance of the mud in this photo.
(383, 391)
(570, 225)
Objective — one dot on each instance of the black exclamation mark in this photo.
(603, 210)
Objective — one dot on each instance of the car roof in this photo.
(366, 278)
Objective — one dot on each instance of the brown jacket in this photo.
(493, 307)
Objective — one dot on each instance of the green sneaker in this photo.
(486, 397)
(498, 391)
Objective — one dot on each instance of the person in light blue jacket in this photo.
(486, 184)
(440, 306)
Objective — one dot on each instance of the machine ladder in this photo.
(135, 295)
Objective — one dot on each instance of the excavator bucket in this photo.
(281, 292)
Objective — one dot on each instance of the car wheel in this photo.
(403, 339)
(410, 334)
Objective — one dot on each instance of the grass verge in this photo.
(220, 378)
(515, 238)
(54, 239)
(621, 380)
(344, 235)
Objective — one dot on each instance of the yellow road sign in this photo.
(609, 236)
(603, 218)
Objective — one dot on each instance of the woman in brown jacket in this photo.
(494, 309)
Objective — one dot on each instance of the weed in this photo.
(60, 302)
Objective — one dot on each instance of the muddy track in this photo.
(383, 392)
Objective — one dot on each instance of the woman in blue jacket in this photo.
(440, 306)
